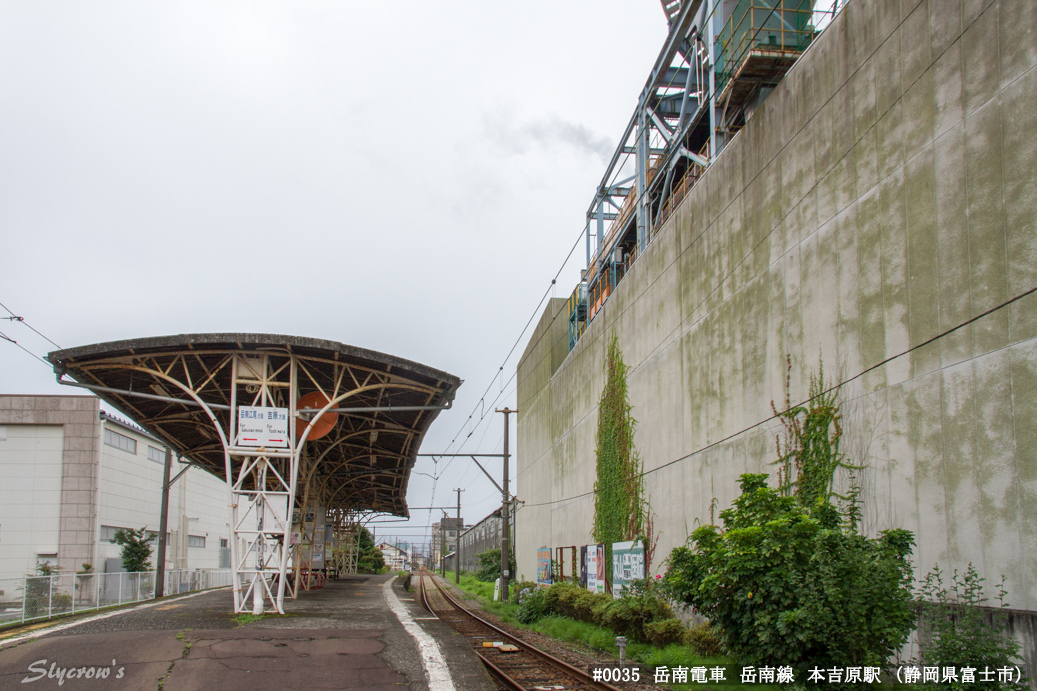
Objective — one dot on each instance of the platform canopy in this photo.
(182, 388)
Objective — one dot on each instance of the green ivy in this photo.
(809, 455)
(620, 507)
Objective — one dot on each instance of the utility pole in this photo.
(505, 532)
(442, 545)
(457, 544)
(163, 524)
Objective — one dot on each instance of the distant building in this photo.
(444, 538)
(71, 476)
(484, 535)
(396, 558)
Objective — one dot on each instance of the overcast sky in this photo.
(405, 177)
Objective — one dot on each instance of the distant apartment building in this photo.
(72, 475)
(444, 539)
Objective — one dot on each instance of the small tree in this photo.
(489, 564)
(371, 560)
(136, 548)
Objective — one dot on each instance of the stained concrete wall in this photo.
(882, 195)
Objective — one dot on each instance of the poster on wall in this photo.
(628, 565)
(544, 566)
(592, 573)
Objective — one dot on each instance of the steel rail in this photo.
(561, 665)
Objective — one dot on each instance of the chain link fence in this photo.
(39, 597)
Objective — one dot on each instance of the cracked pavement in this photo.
(340, 637)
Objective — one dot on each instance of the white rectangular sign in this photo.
(262, 426)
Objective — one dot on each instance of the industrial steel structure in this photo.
(287, 421)
(720, 61)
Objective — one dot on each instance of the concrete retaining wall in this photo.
(884, 194)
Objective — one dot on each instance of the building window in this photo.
(223, 542)
(196, 541)
(157, 455)
(108, 532)
(120, 441)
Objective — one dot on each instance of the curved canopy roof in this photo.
(364, 462)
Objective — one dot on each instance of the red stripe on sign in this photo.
(249, 439)
(276, 439)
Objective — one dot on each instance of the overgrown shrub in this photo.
(590, 606)
(956, 630)
(664, 632)
(703, 640)
(516, 589)
(533, 606)
(797, 585)
(630, 616)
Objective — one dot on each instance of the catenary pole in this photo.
(504, 546)
(457, 543)
(163, 523)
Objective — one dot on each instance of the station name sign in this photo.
(262, 426)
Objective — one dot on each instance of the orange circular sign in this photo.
(314, 402)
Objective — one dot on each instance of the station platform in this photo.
(362, 632)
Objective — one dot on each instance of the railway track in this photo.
(525, 668)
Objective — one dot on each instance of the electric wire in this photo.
(500, 370)
(11, 340)
(830, 389)
(15, 317)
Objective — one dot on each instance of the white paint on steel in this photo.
(435, 666)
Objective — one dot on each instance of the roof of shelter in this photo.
(362, 464)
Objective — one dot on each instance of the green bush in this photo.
(642, 603)
(664, 632)
(515, 589)
(784, 582)
(703, 640)
(533, 606)
(956, 631)
(589, 607)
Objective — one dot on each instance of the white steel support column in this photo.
(262, 491)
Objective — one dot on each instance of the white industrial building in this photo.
(71, 475)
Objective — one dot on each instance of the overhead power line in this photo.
(830, 389)
(15, 318)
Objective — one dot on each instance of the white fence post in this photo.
(25, 595)
(50, 596)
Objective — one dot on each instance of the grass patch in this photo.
(600, 638)
(247, 618)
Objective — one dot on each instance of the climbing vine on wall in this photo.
(621, 511)
(809, 455)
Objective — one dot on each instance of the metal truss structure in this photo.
(352, 450)
(717, 66)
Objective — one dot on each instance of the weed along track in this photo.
(516, 663)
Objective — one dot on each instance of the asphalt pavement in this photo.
(343, 636)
